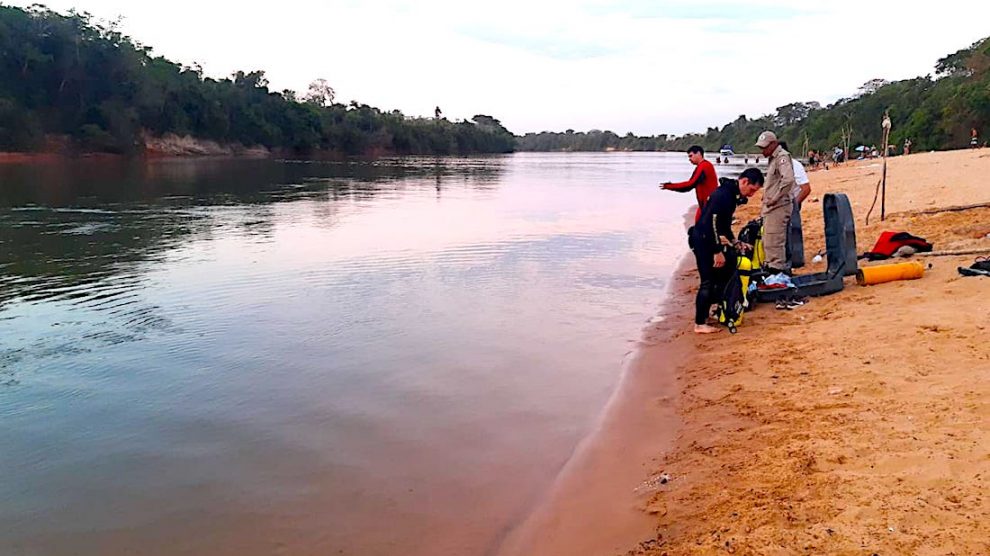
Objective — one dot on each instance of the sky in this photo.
(638, 66)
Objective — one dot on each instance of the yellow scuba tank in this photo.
(735, 298)
(759, 255)
(745, 268)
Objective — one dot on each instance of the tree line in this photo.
(934, 112)
(69, 82)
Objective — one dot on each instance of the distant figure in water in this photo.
(718, 160)
(745, 160)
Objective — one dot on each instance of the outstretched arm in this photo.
(697, 178)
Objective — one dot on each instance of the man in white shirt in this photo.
(800, 192)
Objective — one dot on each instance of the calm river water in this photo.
(260, 357)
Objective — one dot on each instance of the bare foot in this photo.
(704, 329)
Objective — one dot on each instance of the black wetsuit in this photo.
(715, 221)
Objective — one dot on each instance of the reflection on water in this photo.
(251, 357)
(80, 233)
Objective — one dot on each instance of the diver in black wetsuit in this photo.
(711, 241)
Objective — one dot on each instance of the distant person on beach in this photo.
(974, 139)
(777, 203)
(802, 184)
(703, 180)
(907, 146)
(711, 240)
(800, 192)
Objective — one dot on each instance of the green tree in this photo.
(70, 79)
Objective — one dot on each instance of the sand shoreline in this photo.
(857, 423)
(859, 432)
(596, 503)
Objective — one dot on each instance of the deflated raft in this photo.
(840, 246)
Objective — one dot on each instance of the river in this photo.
(263, 357)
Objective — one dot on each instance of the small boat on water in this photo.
(726, 150)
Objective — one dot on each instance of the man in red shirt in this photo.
(703, 180)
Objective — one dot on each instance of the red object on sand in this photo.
(889, 242)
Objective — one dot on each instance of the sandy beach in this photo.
(856, 424)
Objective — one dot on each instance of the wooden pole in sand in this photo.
(883, 180)
(954, 208)
(955, 252)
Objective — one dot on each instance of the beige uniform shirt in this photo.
(779, 181)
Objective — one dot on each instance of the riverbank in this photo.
(851, 424)
(596, 502)
(185, 148)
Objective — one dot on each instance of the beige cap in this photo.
(766, 138)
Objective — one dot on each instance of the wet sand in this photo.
(854, 424)
(596, 504)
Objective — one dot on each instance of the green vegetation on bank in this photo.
(594, 140)
(933, 112)
(69, 82)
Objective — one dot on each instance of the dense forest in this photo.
(70, 83)
(934, 112)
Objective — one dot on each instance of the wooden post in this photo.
(883, 191)
(883, 179)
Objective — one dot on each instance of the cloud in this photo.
(731, 11)
(553, 46)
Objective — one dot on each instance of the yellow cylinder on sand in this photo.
(869, 275)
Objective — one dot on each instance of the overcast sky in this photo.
(641, 66)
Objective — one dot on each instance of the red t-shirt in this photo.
(703, 181)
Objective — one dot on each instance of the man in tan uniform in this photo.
(777, 204)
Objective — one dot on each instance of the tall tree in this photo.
(320, 93)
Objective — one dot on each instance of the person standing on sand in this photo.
(802, 188)
(802, 184)
(777, 203)
(711, 241)
(703, 180)
(907, 146)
